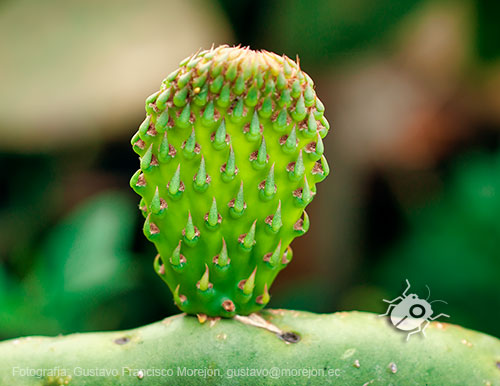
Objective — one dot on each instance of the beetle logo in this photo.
(411, 312)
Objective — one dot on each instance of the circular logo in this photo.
(417, 310)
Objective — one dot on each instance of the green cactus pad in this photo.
(346, 348)
(230, 153)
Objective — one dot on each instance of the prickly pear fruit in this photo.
(230, 152)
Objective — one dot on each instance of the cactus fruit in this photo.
(230, 152)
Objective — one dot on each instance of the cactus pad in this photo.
(230, 152)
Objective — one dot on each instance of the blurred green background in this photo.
(411, 89)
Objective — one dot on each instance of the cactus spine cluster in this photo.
(230, 152)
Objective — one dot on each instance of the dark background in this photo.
(411, 89)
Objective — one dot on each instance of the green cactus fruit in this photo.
(230, 153)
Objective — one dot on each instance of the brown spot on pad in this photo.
(224, 166)
(317, 168)
(171, 151)
(290, 337)
(153, 228)
(196, 232)
(227, 139)
(228, 305)
(141, 181)
(140, 144)
(151, 131)
(219, 218)
(299, 225)
(241, 284)
(122, 340)
(310, 147)
(208, 179)
(216, 260)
